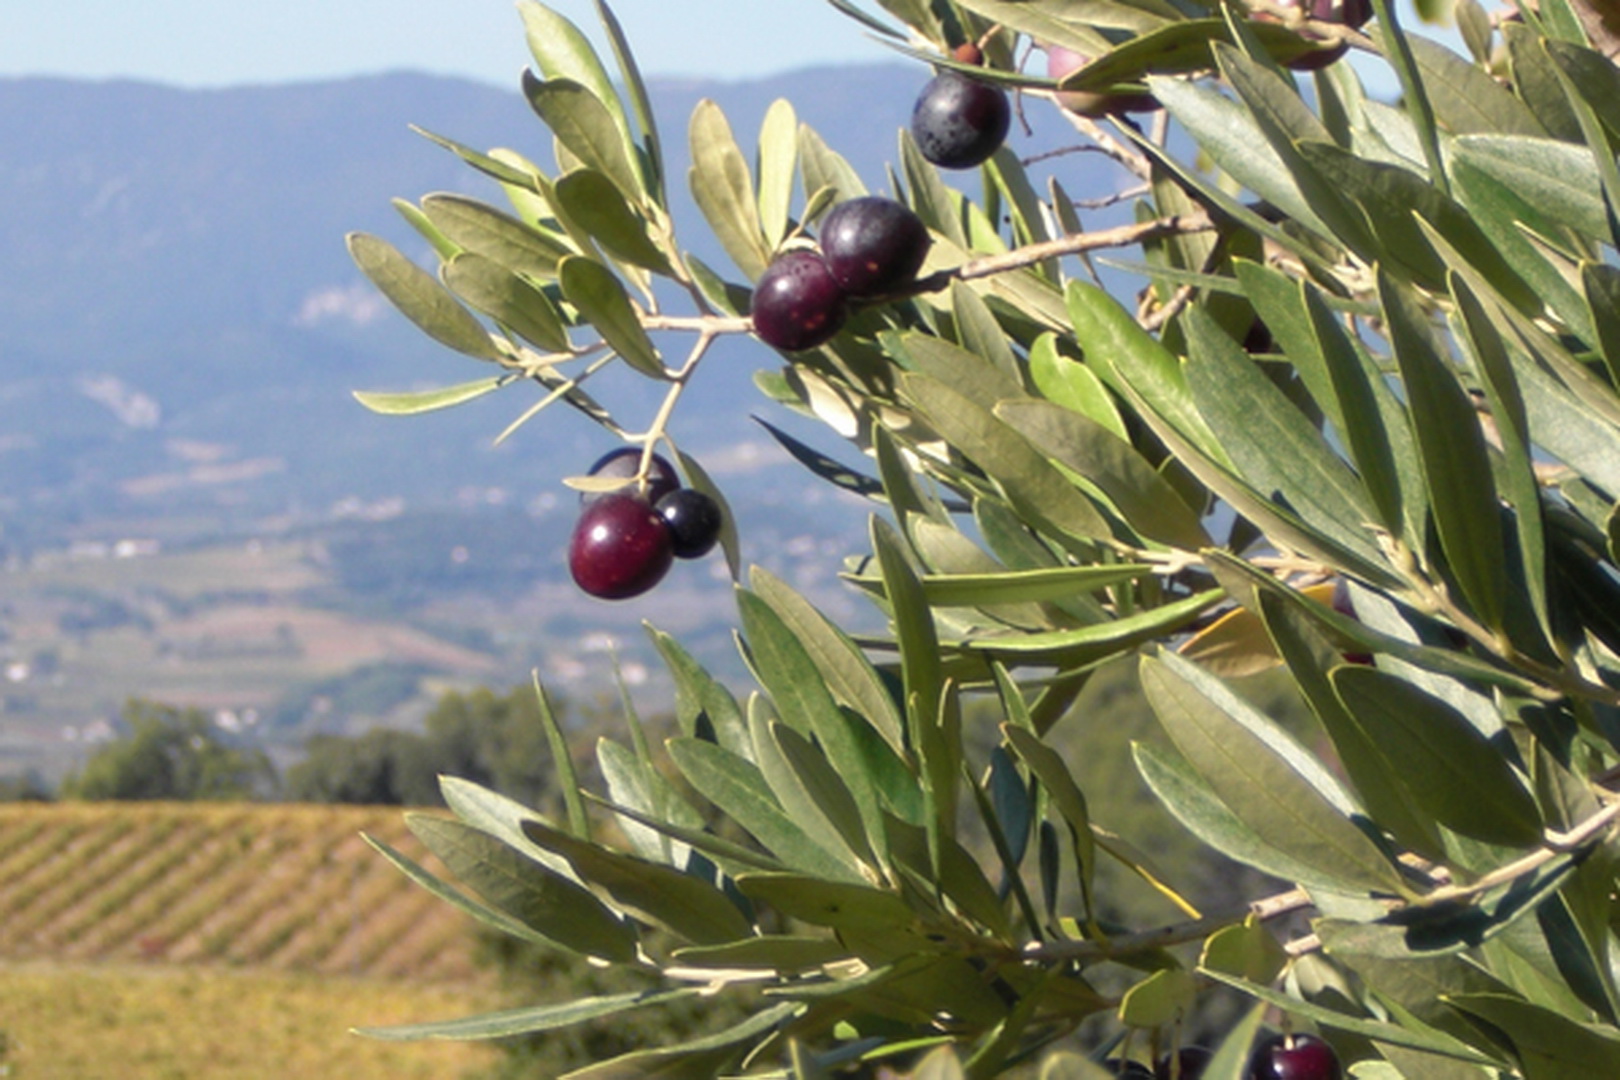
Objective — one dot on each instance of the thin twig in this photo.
(1266, 908)
(1033, 254)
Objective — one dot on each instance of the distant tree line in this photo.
(167, 752)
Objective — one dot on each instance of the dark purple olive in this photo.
(873, 245)
(959, 122)
(798, 304)
(694, 522)
(623, 462)
(1294, 1057)
(1061, 62)
(620, 547)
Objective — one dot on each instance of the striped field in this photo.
(227, 941)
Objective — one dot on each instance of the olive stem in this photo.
(1075, 244)
(1266, 908)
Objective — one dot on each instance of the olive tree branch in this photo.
(1074, 244)
(1264, 909)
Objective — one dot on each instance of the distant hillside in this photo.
(180, 325)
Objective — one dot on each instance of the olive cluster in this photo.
(870, 246)
(626, 540)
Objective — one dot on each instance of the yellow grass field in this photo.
(109, 1022)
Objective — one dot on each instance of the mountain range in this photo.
(181, 327)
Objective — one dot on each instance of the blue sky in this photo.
(209, 43)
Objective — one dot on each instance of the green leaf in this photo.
(1334, 1019)
(508, 299)
(849, 675)
(1466, 783)
(542, 899)
(724, 190)
(595, 204)
(736, 786)
(1601, 284)
(1397, 48)
(1274, 447)
(640, 101)
(1228, 133)
(703, 705)
(822, 168)
(1191, 801)
(601, 298)
(1456, 468)
(815, 794)
(411, 402)
(788, 672)
(1559, 179)
(1142, 495)
(497, 815)
(846, 906)
(491, 917)
(1287, 122)
(1120, 351)
(699, 479)
(1588, 88)
(1466, 99)
(982, 337)
(1054, 776)
(922, 677)
(562, 51)
(507, 172)
(484, 230)
(1549, 1046)
(531, 1020)
(934, 202)
(970, 373)
(420, 297)
(783, 953)
(1354, 398)
(1246, 583)
(1531, 242)
(1380, 778)
(702, 1058)
(1035, 487)
(1089, 644)
(1074, 24)
(443, 247)
(1274, 787)
(1247, 950)
(691, 907)
(635, 782)
(592, 131)
(1068, 382)
(1182, 46)
(1021, 586)
(1519, 483)
(778, 164)
(1162, 998)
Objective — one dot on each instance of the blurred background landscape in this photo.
(194, 510)
(223, 581)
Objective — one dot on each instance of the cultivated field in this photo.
(289, 888)
(221, 941)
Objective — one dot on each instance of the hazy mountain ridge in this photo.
(178, 288)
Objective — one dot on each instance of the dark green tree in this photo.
(496, 740)
(171, 753)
